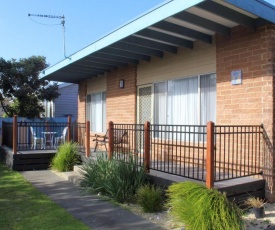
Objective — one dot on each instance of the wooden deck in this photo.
(27, 160)
(236, 189)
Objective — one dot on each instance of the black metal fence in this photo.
(179, 150)
(43, 135)
(128, 141)
(239, 151)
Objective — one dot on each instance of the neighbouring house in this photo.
(184, 62)
(66, 104)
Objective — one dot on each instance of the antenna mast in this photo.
(62, 23)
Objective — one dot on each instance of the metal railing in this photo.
(238, 151)
(179, 150)
(43, 135)
(128, 141)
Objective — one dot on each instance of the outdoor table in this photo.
(48, 138)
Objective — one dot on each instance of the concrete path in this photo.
(94, 212)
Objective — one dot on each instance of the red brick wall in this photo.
(252, 102)
(82, 90)
(121, 103)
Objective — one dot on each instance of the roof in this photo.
(164, 29)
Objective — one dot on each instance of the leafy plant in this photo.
(150, 198)
(114, 178)
(66, 157)
(254, 202)
(201, 208)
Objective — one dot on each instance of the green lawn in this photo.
(23, 207)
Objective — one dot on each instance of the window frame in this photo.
(89, 111)
(166, 96)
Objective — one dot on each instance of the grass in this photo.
(150, 198)
(23, 207)
(201, 208)
(114, 178)
(67, 156)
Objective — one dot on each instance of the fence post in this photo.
(69, 128)
(15, 135)
(147, 146)
(210, 155)
(111, 140)
(87, 138)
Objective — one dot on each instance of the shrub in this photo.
(254, 202)
(201, 208)
(150, 198)
(114, 178)
(66, 157)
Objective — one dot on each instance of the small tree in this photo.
(19, 81)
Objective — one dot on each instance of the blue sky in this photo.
(85, 21)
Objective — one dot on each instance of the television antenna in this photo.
(53, 17)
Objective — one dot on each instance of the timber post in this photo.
(111, 140)
(210, 155)
(15, 135)
(87, 152)
(147, 146)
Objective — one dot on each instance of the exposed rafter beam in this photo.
(137, 49)
(150, 44)
(203, 23)
(126, 54)
(227, 13)
(183, 31)
(166, 38)
(83, 71)
(90, 67)
(103, 60)
(69, 77)
(115, 58)
(260, 8)
(88, 63)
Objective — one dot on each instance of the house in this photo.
(184, 62)
(66, 104)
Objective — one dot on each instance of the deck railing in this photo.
(238, 151)
(205, 153)
(21, 135)
(185, 150)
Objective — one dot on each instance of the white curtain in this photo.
(188, 101)
(160, 90)
(98, 114)
(182, 105)
(208, 98)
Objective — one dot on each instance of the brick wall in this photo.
(252, 102)
(82, 90)
(121, 103)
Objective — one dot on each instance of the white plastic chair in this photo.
(35, 140)
(62, 138)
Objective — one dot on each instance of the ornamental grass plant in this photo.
(150, 198)
(201, 208)
(116, 179)
(66, 157)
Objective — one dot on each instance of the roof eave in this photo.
(257, 7)
(156, 15)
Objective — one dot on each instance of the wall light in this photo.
(121, 83)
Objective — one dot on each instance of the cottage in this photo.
(183, 63)
(66, 104)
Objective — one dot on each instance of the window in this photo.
(96, 111)
(187, 101)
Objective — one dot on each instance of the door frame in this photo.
(152, 100)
